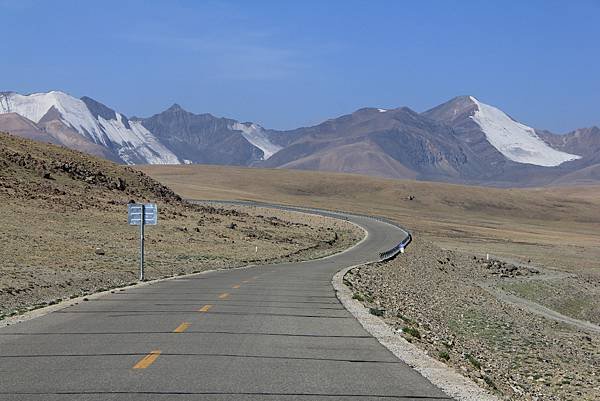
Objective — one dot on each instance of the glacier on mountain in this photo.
(514, 140)
(256, 135)
(132, 142)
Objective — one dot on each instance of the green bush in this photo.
(473, 361)
(412, 331)
(376, 312)
(489, 382)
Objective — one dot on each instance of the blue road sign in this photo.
(148, 212)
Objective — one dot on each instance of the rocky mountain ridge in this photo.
(461, 141)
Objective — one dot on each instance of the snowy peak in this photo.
(454, 111)
(256, 135)
(73, 111)
(516, 141)
(92, 120)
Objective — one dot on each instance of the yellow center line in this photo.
(236, 286)
(182, 327)
(205, 308)
(246, 281)
(224, 295)
(147, 360)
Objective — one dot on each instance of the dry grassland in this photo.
(553, 227)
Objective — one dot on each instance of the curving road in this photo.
(274, 332)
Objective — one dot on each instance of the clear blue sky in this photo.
(290, 63)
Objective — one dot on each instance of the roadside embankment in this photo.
(434, 298)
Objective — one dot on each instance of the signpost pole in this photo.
(142, 243)
(140, 214)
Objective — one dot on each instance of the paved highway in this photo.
(273, 332)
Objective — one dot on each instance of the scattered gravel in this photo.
(433, 298)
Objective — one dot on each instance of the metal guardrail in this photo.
(392, 253)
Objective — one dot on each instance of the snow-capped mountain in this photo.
(492, 132)
(257, 136)
(130, 141)
(171, 137)
(463, 140)
(204, 138)
(516, 141)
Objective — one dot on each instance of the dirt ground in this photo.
(436, 300)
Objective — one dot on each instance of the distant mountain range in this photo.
(462, 141)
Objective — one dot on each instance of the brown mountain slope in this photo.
(359, 158)
(400, 143)
(51, 129)
(589, 175)
(25, 128)
(582, 141)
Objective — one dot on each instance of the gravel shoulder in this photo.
(433, 298)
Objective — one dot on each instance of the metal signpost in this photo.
(140, 215)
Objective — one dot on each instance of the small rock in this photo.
(99, 251)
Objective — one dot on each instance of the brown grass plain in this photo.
(555, 227)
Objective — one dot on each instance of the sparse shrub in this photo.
(473, 361)
(358, 297)
(376, 312)
(412, 332)
(405, 319)
(444, 355)
(489, 382)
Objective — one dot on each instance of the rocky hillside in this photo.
(64, 229)
(204, 138)
(452, 306)
(59, 176)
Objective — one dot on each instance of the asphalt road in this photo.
(272, 332)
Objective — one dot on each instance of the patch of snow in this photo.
(255, 134)
(381, 110)
(148, 146)
(514, 140)
(186, 161)
(137, 141)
